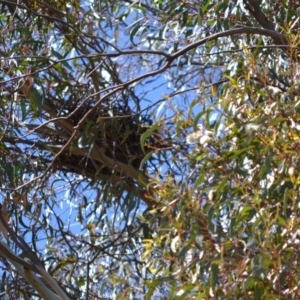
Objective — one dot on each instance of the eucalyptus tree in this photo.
(149, 149)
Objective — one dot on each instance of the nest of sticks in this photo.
(114, 128)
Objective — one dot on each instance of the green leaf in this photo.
(145, 159)
(134, 31)
(23, 109)
(221, 6)
(147, 134)
(36, 101)
(61, 58)
(259, 291)
(214, 273)
(249, 283)
(205, 6)
(184, 250)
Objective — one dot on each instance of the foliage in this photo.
(149, 149)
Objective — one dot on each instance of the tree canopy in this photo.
(149, 149)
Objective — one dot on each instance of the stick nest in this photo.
(113, 127)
